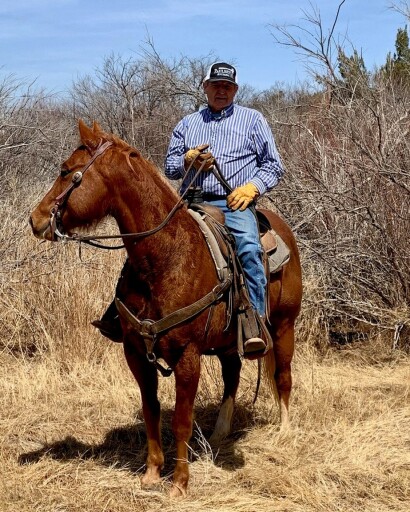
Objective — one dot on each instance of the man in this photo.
(241, 142)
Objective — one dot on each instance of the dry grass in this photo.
(72, 434)
(73, 439)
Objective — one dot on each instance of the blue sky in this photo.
(57, 41)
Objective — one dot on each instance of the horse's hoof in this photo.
(177, 492)
(150, 479)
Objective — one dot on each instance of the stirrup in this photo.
(254, 345)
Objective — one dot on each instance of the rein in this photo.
(55, 214)
(149, 330)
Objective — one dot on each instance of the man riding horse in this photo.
(240, 141)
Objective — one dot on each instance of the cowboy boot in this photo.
(110, 325)
(253, 343)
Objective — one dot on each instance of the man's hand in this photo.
(242, 197)
(196, 157)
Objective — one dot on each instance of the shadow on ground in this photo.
(125, 447)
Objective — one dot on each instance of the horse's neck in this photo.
(142, 207)
(142, 196)
(171, 267)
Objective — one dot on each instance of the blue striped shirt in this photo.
(241, 142)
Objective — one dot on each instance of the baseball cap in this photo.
(221, 71)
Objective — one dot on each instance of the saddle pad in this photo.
(216, 253)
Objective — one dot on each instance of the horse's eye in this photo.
(64, 170)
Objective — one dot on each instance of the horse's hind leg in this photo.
(283, 350)
(146, 375)
(231, 368)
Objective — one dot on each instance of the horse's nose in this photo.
(34, 227)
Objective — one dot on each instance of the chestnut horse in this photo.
(168, 269)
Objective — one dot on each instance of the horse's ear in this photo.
(97, 128)
(88, 137)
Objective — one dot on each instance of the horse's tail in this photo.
(269, 368)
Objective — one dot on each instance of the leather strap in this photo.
(150, 329)
(61, 199)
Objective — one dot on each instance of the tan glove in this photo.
(242, 197)
(198, 158)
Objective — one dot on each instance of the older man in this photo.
(241, 142)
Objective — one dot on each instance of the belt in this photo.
(212, 197)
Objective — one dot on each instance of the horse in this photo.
(170, 267)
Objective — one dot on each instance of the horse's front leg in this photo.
(146, 375)
(186, 381)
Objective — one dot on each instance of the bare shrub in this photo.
(33, 133)
(142, 100)
(348, 188)
(38, 294)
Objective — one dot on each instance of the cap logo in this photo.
(224, 72)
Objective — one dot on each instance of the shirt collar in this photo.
(226, 112)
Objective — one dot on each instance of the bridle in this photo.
(56, 227)
(61, 199)
(147, 328)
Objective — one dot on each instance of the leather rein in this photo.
(60, 201)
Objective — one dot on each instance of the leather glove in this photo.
(197, 156)
(242, 197)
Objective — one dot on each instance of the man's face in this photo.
(220, 94)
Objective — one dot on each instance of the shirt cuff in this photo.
(259, 185)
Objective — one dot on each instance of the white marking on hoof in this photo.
(284, 417)
(224, 422)
(177, 492)
(151, 477)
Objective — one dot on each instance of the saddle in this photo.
(232, 285)
(221, 244)
(275, 252)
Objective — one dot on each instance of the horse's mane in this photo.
(131, 153)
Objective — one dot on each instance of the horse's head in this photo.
(80, 195)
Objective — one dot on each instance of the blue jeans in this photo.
(244, 228)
